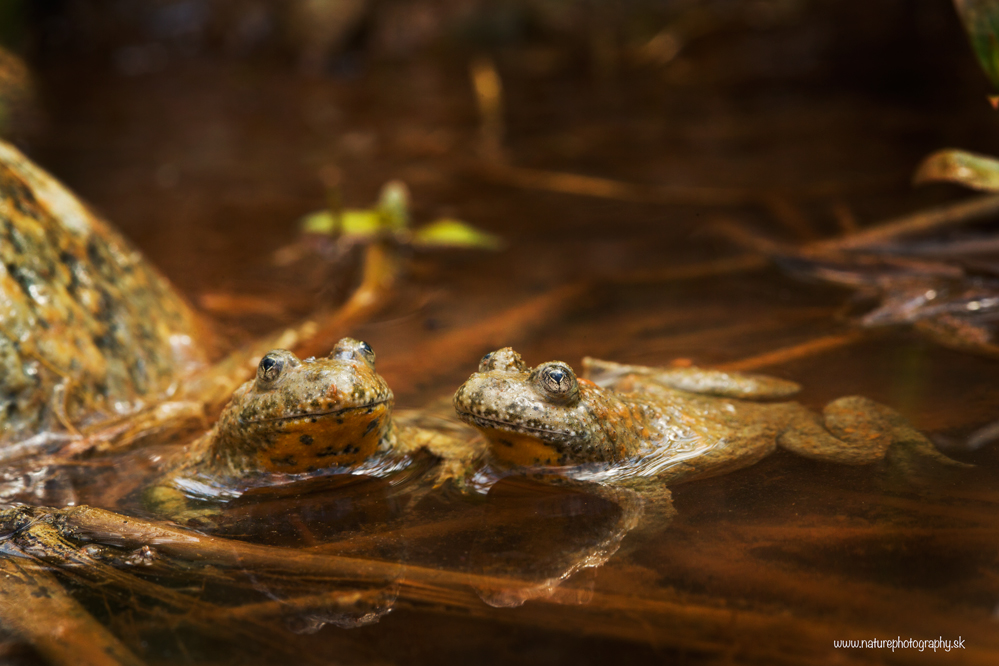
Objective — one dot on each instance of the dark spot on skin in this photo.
(287, 460)
(313, 419)
(41, 593)
(371, 426)
(328, 451)
(505, 442)
(305, 439)
(339, 421)
(370, 410)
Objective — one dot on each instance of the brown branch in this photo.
(34, 605)
(694, 271)
(443, 591)
(606, 188)
(678, 621)
(914, 223)
(790, 216)
(795, 352)
(47, 543)
(489, 97)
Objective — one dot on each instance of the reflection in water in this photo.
(540, 535)
(521, 541)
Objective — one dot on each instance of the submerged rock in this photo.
(87, 327)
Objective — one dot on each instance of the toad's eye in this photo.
(365, 350)
(270, 368)
(557, 381)
(350, 349)
(484, 364)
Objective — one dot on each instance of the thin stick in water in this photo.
(795, 352)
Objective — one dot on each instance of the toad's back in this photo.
(86, 325)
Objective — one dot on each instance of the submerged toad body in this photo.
(299, 418)
(645, 428)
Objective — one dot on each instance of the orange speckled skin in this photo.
(302, 418)
(309, 416)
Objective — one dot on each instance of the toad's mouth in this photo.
(315, 415)
(499, 424)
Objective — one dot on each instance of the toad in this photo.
(644, 428)
(298, 419)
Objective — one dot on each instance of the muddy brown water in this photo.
(207, 165)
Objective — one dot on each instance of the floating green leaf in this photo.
(319, 222)
(454, 233)
(978, 172)
(391, 216)
(352, 222)
(361, 222)
(981, 21)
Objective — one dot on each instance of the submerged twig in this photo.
(914, 223)
(795, 352)
(739, 264)
(679, 621)
(489, 98)
(606, 188)
(35, 534)
(726, 336)
(790, 216)
(341, 599)
(675, 622)
(34, 605)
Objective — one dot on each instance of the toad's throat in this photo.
(499, 424)
(314, 415)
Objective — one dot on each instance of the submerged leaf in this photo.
(978, 172)
(981, 21)
(454, 233)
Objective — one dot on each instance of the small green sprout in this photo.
(974, 171)
(446, 232)
(391, 216)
